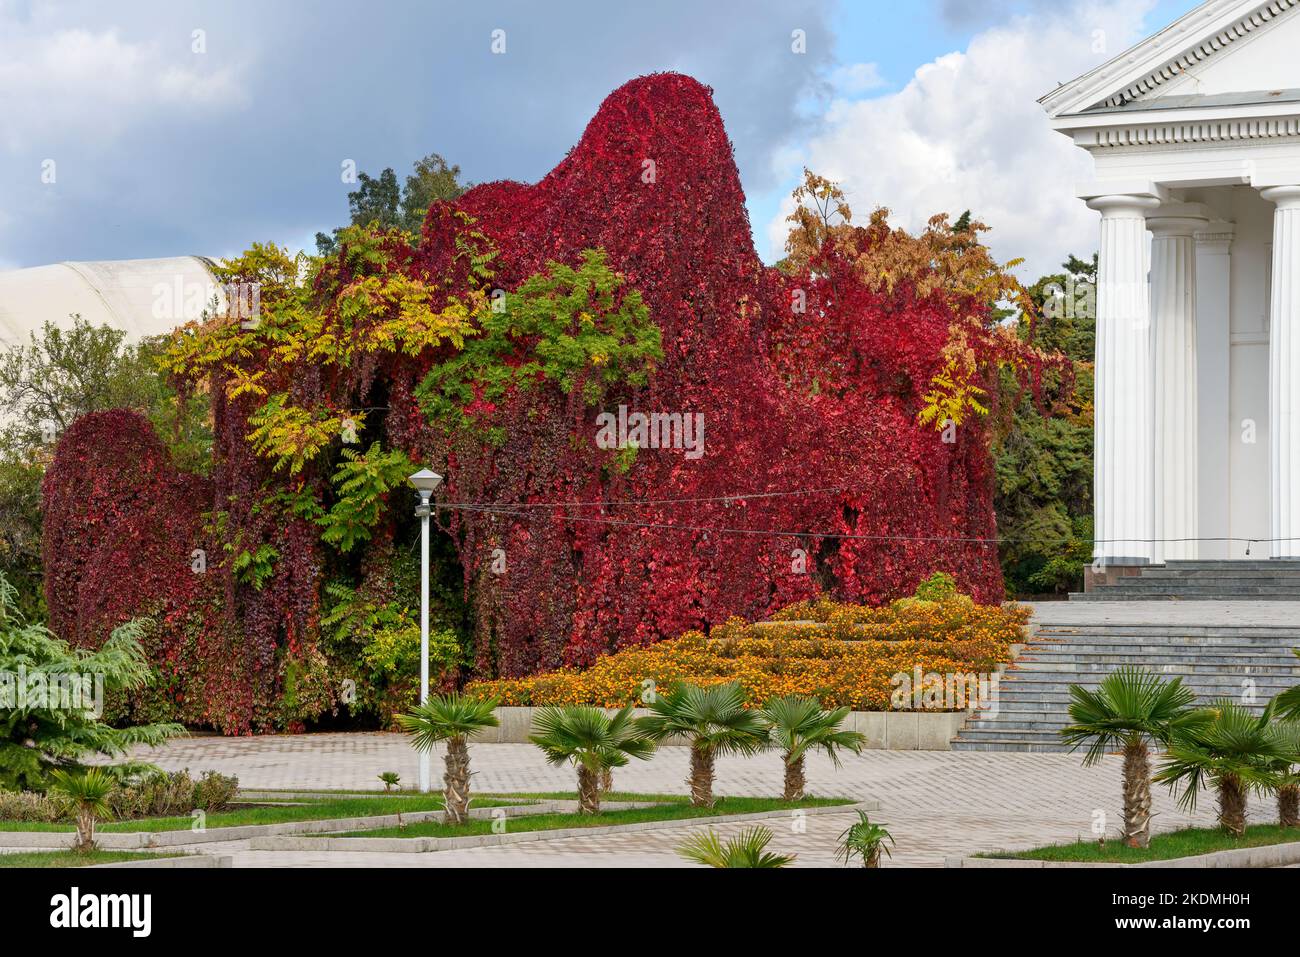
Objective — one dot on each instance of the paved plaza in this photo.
(936, 804)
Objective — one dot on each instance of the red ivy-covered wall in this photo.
(812, 444)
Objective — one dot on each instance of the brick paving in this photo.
(937, 804)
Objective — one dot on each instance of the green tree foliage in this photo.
(588, 332)
(48, 697)
(1044, 458)
(46, 384)
(362, 481)
(380, 199)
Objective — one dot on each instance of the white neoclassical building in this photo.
(1195, 140)
(142, 297)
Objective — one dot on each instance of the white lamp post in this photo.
(425, 482)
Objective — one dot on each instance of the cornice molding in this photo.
(1205, 131)
(1176, 67)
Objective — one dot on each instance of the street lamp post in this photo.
(425, 481)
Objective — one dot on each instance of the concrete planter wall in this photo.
(885, 730)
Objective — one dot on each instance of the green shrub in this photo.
(29, 807)
(214, 792)
(156, 794)
(938, 587)
(172, 794)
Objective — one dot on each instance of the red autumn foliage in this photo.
(812, 444)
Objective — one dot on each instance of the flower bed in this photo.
(844, 655)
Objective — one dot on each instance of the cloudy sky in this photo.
(198, 127)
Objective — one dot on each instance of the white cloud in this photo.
(967, 133)
(95, 85)
(857, 78)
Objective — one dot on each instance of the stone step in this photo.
(1213, 574)
(1243, 585)
(1269, 643)
(1230, 586)
(1178, 666)
(1034, 747)
(1098, 596)
(1053, 724)
(1175, 631)
(1139, 655)
(1212, 660)
(1193, 564)
(1059, 701)
(1036, 681)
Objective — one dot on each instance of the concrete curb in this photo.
(1269, 855)
(188, 861)
(131, 840)
(421, 845)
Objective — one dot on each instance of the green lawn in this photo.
(358, 806)
(67, 858)
(1185, 843)
(675, 808)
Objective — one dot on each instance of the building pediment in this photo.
(1223, 54)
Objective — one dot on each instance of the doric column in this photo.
(1284, 368)
(1173, 321)
(1124, 393)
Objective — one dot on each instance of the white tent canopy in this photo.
(142, 297)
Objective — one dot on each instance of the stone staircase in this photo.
(1227, 628)
(1204, 581)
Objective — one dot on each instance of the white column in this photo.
(1217, 432)
(1173, 321)
(1284, 368)
(1124, 391)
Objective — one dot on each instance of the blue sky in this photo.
(162, 149)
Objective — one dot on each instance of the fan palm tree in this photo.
(451, 717)
(1131, 709)
(747, 849)
(1288, 770)
(797, 725)
(866, 840)
(714, 719)
(1233, 750)
(88, 794)
(594, 741)
(1286, 706)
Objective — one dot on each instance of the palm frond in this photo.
(1128, 707)
(714, 717)
(797, 724)
(446, 716)
(589, 736)
(1225, 741)
(748, 849)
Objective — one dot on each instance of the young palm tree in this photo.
(1233, 750)
(1286, 706)
(88, 793)
(747, 849)
(799, 725)
(865, 840)
(1131, 709)
(452, 718)
(595, 742)
(1288, 771)
(715, 720)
